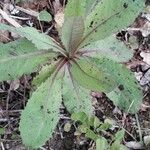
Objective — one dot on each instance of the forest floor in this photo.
(14, 94)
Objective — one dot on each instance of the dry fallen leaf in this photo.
(59, 14)
(59, 19)
(147, 16)
(145, 30)
(146, 57)
(4, 35)
(145, 106)
(138, 75)
(134, 145)
(147, 140)
(14, 85)
(146, 78)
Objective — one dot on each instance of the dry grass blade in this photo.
(8, 19)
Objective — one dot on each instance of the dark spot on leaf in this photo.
(12, 53)
(125, 5)
(91, 24)
(121, 87)
(41, 107)
(116, 92)
(95, 30)
(48, 111)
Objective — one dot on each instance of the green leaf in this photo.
(72, 32)
(45, 16)
(90, 134)
(75, 8)
(90, 5)
(20, 57)
(2, 131)
(83, 7)
(117, 146)
(41, 115)
(44, 74)
(40, 40)
(91, 77)
(76, 98)
(109, 17)
(101, 144)
(90, 121)
(82, 128)
(127, 95)
(105, 126)
(110, 48)
(79, 116)
(73, 27)
(97, 122)
(120, 135)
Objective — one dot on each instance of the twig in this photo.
(7, 140)
(8, 19)
(20, 18)
(64, 2)
(139, 128)
(49, 29)
(42, 148)
(50, 3)
(64, 117)
(125, 129)
(29, 12)
(2, 145)
(11, 111)
(133, 29)
(3, 120)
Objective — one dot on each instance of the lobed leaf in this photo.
(75, 97)
(110, 48)
(109, 17)
(21, 57)
(127, 95)
(41, 115)
(91, 77)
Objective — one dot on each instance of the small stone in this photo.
(145, 79)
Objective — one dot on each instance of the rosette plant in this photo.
(87, 57)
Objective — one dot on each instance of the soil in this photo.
(14, 94)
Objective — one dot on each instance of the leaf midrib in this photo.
(86, 36)
(23, 56)
(85, 72)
